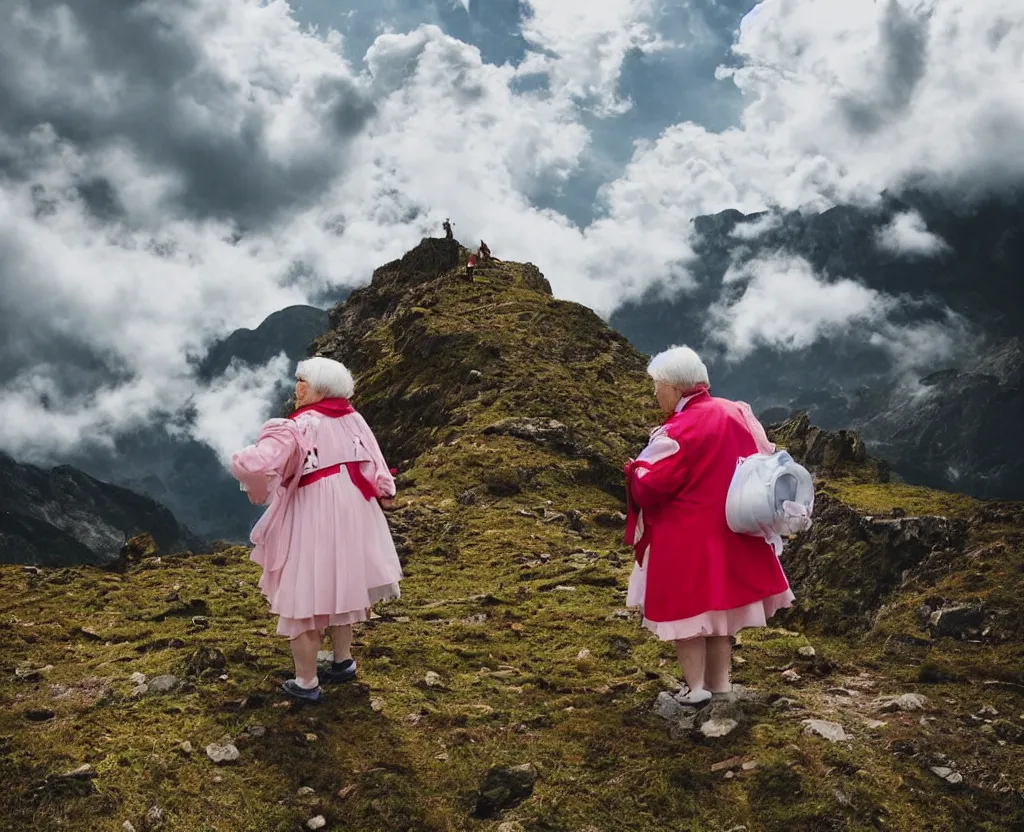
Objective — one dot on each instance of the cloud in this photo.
(582, 47)
(779, 302)
(169, 172)
(845, 101)
(908, 234)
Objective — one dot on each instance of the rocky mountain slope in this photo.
(185, 474)
(508, 688)
(847, 381)
(64, 517)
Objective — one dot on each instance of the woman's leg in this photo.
(719, 661)
(304, 650)
(692, 659)
(341, 642)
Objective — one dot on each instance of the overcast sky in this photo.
(170, 171)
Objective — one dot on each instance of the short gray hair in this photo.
(679, 367)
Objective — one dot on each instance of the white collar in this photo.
(684, 400)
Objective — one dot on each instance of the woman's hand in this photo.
(386, 503)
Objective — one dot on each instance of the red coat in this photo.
(696, 563)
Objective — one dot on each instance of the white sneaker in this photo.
(694, 698)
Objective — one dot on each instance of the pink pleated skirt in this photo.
(341, 559)
(710, 623)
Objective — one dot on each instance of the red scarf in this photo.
(334, 408)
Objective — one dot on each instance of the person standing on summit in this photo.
(697, 581)
(324, 543)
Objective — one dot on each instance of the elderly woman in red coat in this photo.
(697, 581)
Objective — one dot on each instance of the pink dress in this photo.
(693, 575)
(324, 543)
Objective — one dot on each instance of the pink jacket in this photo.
(288, 449)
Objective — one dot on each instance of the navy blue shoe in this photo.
(339, 673)
(294, 690)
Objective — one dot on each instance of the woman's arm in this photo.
(378, 474)
(258, 465)
(658, 474)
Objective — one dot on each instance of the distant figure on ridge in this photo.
(484, 251)
(697, 581)
(447, 226)
(470, 265)
(324, 543)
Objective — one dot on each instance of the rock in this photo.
(503, 789)
(138, 678)
(956, 622)
(306, 791)
(200, 622)
(954, 778)
(790, 676)
(564, 588)
(666, 706)
(433, 680)
(83, 772)
(163, 684)
(906, 702)
(256, 731)
(377, 705)
(988, 711)
(718, 727)
(127, 826)
(610, 519)
(186, 747)
(203, 659)
(154, 818)
(318, 822)
(139, 691)
(346, 791)
(807, 652)
(222, 752)
(832, 731)
(542, 431)
(474, 377)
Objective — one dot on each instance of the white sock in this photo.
(694, 697)
(307, 684)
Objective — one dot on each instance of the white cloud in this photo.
(908, 234)
(846, 100)
(779, 302)
(752, 230)
(582, 46)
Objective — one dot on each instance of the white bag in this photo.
(770, 496)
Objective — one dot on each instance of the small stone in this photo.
(200, 622)
(955, 779)
(876, 724)
(311, 738)
(223, 677)
(306, 791)
(563, 588)
(163, 684)
(988, 711)
(376, 705)
(718, 727)
(346, 792)
(784, 703)
(222, 752)
(584, 655)
(318, 822)
(732, 762)
(433, 679)
(906, 702)
(127, 826)
(831, 731)
(256, 731)
(154, 817)
(941, 771)
(139, 691)
(138, 678)
(790, 676)
(217, 779)
(749, 765)
(666, 706)
(186, 747)
(738, 660)
(83, 772)
(807, 652)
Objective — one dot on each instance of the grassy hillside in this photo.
(509, 414)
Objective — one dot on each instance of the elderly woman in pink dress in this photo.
(697, 581)
(324, 543)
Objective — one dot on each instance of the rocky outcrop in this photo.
(64, 517)
(825, 451)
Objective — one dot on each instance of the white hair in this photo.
(326, 376)
(679, 367)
